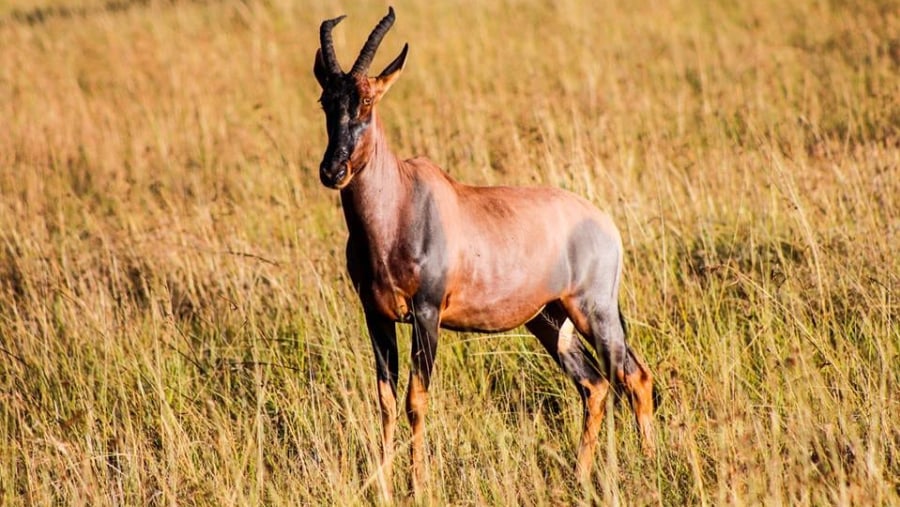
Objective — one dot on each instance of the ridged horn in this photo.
(328, 45)
(368, 51)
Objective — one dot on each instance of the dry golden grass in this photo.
(175, 322)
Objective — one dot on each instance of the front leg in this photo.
(383, 333)
(424, 346)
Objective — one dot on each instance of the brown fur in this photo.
(426, 249)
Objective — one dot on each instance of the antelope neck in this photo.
(374, 198)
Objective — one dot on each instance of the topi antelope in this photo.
(430, 251)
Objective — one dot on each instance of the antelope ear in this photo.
(319, 69)
(390, 73)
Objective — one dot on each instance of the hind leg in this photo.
(603, 324)
(557, 334)
(639, 385)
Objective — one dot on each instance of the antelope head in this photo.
(348, 99)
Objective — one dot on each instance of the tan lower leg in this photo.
(388, 403)
(416, 406)
(640, 389)
(594, 406)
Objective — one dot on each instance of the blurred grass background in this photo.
(176, 325)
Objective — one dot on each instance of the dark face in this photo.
(348, 99)
(347, 116)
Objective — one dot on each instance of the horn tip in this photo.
(333, 21)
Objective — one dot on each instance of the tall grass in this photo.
(176, 326)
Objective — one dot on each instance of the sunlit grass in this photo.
(176, 325)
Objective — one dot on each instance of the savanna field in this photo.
(176, 322)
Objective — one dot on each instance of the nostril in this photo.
(332, 176)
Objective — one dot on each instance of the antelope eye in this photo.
(367, 101)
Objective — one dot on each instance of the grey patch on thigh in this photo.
(589, 263)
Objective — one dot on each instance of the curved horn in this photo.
(328, 45)
(368, 51)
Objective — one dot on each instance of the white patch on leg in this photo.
(566, 337)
